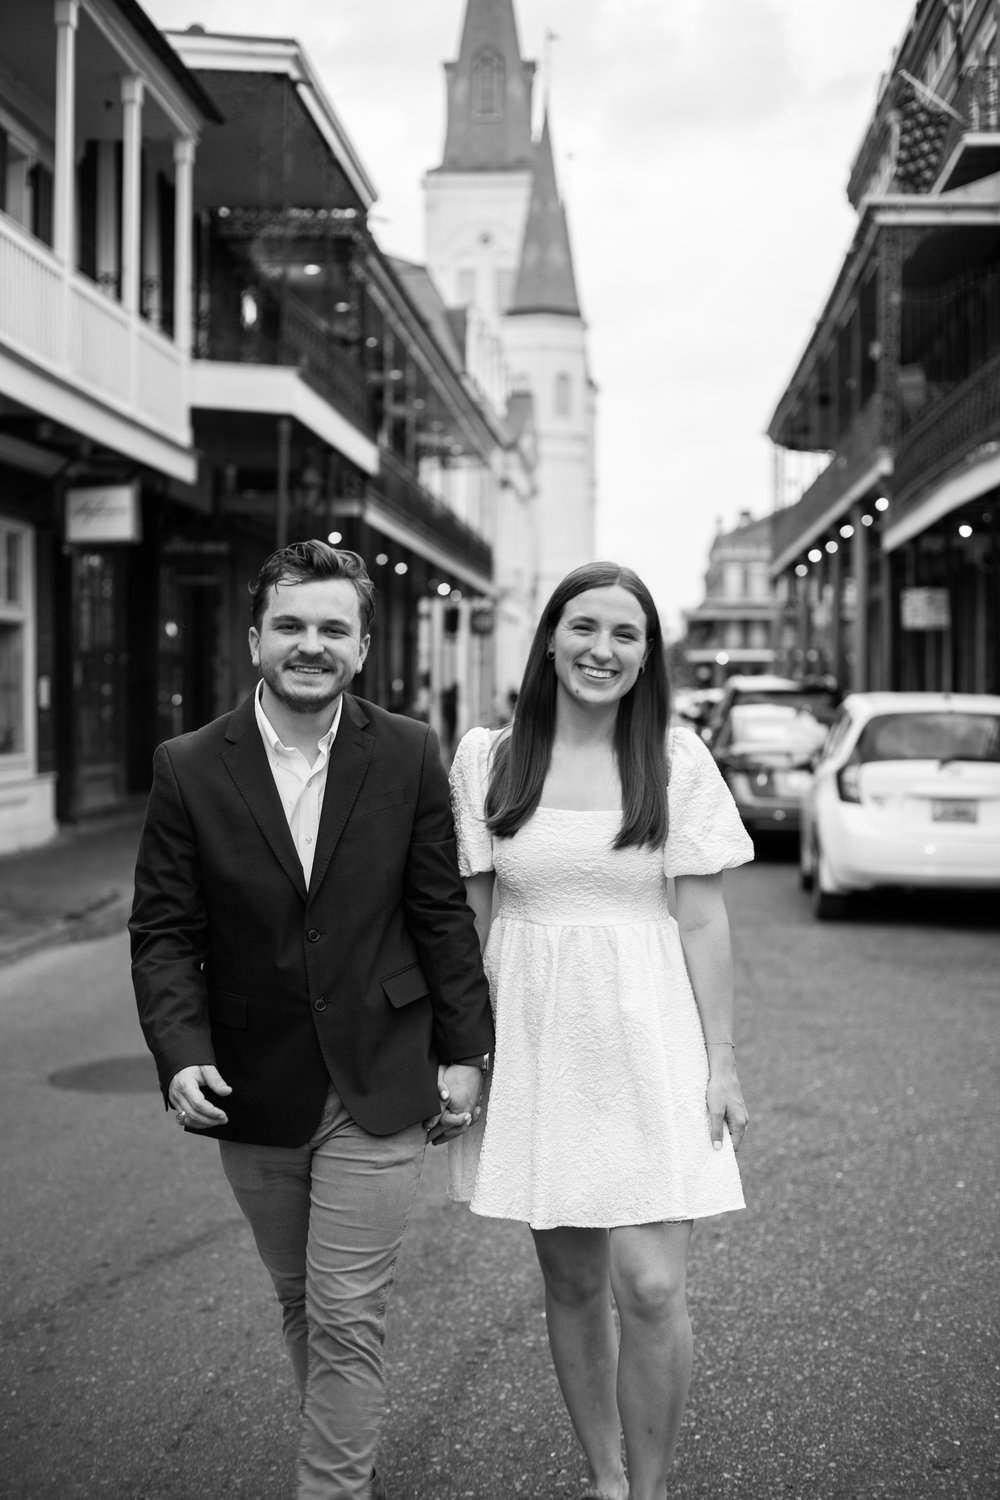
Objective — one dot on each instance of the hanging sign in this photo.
(98, 513)
(925, 609)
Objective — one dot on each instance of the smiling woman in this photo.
(607, 1007)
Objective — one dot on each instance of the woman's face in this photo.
(600, 645)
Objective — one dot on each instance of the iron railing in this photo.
(947, 434)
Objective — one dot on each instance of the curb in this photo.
(108, 915)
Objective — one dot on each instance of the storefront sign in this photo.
(925, 609)
(481, 621)
(98, 513)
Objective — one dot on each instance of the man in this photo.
(309, 981)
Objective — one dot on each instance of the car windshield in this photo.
(930, 736)
(820, 704)
(776, 724)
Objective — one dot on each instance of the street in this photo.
(845, 1326)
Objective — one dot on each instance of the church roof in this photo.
(545, 279)
(489, 94)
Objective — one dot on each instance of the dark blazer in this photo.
(368, 979)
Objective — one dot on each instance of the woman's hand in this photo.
(725, 1097)
(459, 1088)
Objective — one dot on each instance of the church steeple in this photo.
(545, 279)
(489, 94)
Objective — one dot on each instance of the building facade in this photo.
(99, 128)
(733, 629)
(204, 354)
(498, 244)
(887, 564)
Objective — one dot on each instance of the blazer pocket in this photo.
(227, 1009)
(409, 984)
(394, 797)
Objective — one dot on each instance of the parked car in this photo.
(905, 792)
(765, 752)
(744, 689)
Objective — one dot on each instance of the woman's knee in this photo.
(651, 1294)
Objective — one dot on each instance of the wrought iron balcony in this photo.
(264, 327)
(971, 146)
(950, 432)
(396, 491)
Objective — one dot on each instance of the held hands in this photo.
(459, 1088)
(194, 1111)
(725, 1097)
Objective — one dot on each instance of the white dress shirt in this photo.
(301, 786)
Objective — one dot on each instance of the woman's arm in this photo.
(704, 931)
(479, 896)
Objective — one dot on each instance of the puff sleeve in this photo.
(469, 781)
(706, 833)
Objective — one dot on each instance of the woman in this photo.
(615, 1075)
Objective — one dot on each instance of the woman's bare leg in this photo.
(584, 1345)
(648, 1267)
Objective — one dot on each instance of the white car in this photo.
(905, 792)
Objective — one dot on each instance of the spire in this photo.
(489, 94)
(545, 280)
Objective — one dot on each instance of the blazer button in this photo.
(314, 934)
(319, 1004)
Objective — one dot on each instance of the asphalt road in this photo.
(846, 1326)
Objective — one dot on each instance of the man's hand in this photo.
(459, 1088)
(194, 1111)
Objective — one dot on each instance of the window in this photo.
(466, 288)
(13, 624)
(563, 395)
(487, 85)
(505, 289)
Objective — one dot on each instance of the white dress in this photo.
(596, 1114)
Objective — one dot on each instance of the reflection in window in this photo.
(487, 85)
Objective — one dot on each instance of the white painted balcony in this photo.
(86, 361)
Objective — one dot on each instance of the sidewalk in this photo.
(77, 887)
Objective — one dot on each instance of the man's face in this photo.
(309, 645)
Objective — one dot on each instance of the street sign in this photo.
(925, 609)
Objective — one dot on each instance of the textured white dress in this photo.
(596, 1114)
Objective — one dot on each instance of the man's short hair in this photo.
(304, 562)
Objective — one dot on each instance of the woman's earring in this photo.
(550, 655)
(642, 669)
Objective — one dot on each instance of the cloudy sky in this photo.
(703, 148)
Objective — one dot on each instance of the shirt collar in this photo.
(270, 737)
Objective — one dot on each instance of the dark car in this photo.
(765, 750)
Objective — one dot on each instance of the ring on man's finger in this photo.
(182, 1117)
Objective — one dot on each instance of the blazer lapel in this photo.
(350, 755)
(246, 761)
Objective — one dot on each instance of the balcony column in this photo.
(836, 567)
(284, 469)
(859, 563)
(183, 262)
(64, 184)
(132, 91)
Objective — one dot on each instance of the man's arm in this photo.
(169, 927)
(442, 925)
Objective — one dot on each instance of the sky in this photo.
(703, 149)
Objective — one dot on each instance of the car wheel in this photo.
(827, 905)
(805, 870)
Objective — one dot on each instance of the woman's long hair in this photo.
(521, 759)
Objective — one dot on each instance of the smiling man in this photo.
(308, 979)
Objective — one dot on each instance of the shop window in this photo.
(13, 625)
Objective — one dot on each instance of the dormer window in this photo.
(487, 85)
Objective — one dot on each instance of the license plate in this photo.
(954, 811)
